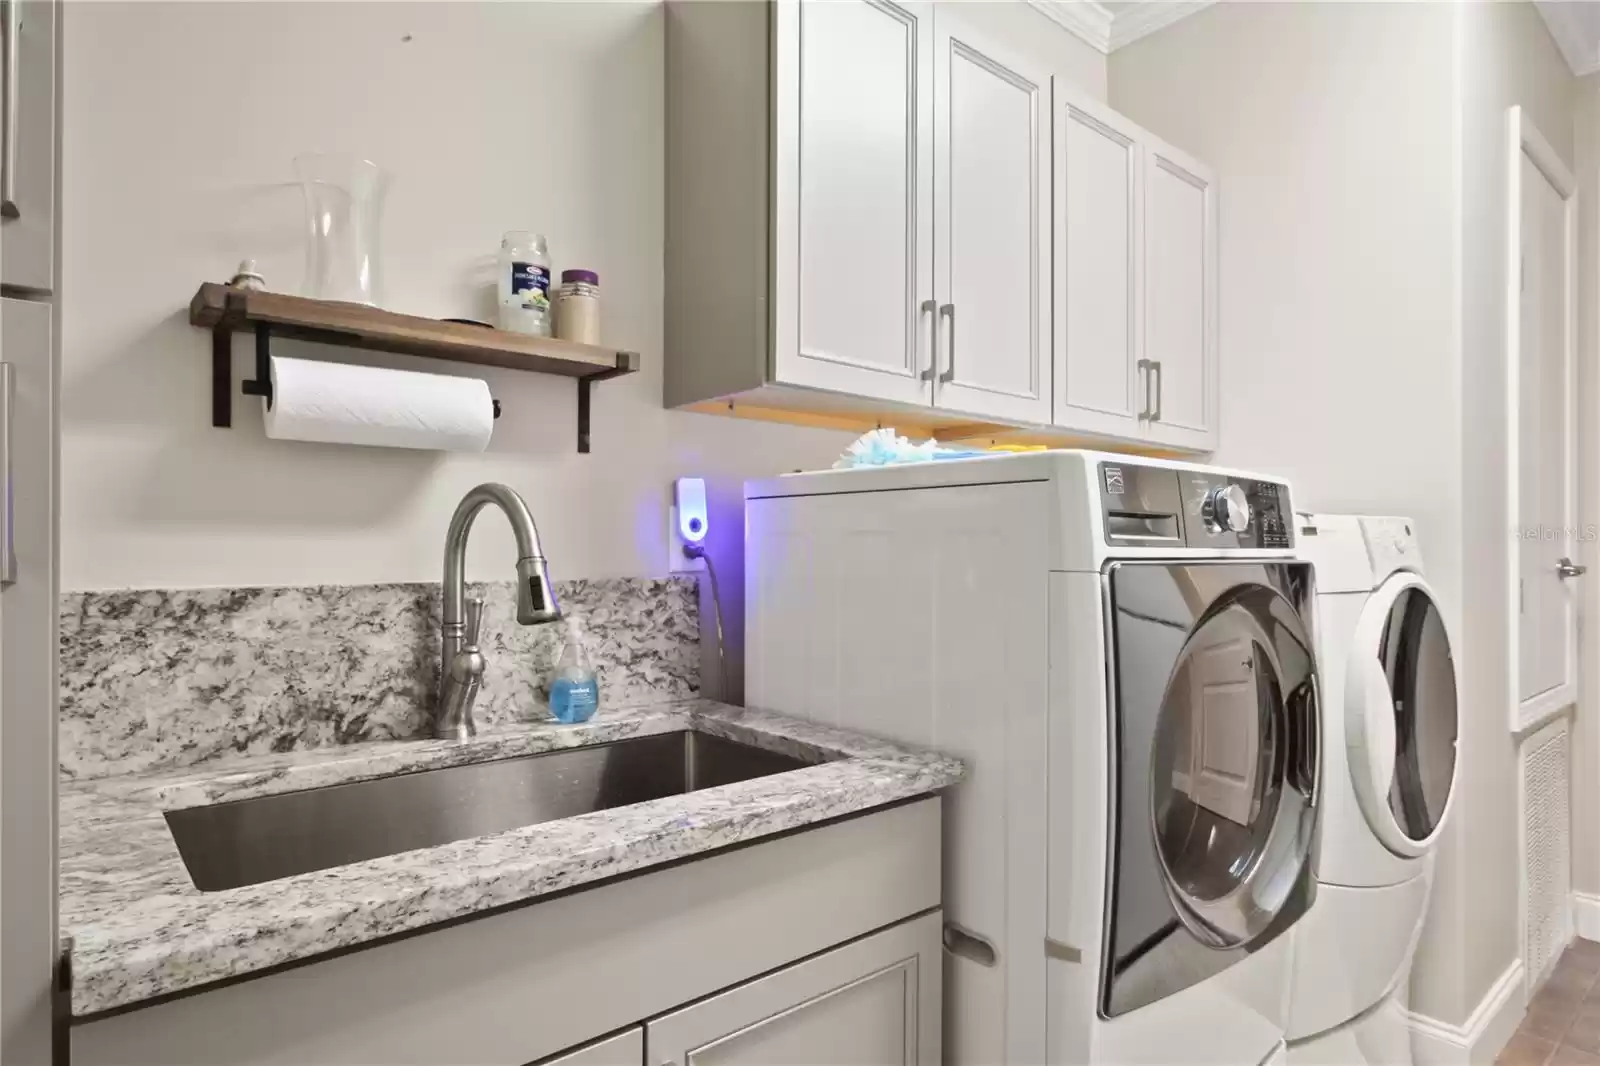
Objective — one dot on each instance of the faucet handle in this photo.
(474, 621)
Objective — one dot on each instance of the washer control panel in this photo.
(1235, 512)
(1150, 506)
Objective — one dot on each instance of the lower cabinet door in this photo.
(875, 1002)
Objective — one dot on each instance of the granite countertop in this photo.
(140, 929)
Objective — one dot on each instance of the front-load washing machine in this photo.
(1390, 727)
(1120, 651)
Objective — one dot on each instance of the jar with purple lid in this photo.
(578, 307)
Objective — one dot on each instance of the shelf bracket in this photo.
(627, 363)
(233, 316)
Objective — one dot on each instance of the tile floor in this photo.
(1562, 1026)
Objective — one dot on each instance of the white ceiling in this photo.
(1575, 24)
(1110, 24)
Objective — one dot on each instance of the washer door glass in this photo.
(1403, 716)
(1228, 777)
(1215, 769)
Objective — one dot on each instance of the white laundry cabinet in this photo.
(878, 213)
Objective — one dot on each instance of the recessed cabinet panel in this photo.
(1100, 386)
(991, 226)
(854, 193)
(872, 1003)
(1180, 301)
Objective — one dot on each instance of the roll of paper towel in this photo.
(337, 404)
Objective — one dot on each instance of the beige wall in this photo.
(1359, 151)
(489, 117)
(1329, 128)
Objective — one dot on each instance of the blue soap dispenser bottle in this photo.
(574, 689)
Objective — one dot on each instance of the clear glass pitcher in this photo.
(344, 201)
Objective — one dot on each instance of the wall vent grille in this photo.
(1546, 848)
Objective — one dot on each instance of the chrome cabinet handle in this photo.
(1144, 373)
(1567, 568)
(1155, 370)
(8, 553)
(8, 116)
(949, 375)
(931, 308)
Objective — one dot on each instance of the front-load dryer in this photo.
(1121, 652)
(1390, 728)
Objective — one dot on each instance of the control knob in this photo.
(1226, 510)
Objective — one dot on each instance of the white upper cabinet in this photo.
(991, 227)
(1100, 382)
(854, 184)
(878, 214)
(1180, 298)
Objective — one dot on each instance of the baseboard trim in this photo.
(1482, 1036)
(1586, 915)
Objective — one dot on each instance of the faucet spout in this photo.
(536, 598)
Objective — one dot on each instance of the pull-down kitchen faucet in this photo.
(461, 664)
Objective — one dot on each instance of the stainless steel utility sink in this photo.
(246, 842)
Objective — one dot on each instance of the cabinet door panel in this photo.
(872, 1003)
(1099, 162)
(991, 226)
(27, 229)
(1181, 298)
(854, 196)
(624, 1049)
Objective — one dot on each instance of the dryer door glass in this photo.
(1415, 653)
(1216, 733)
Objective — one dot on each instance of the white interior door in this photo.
(1541, 372)
(991, 226)
(1100, 385)
(854, 197)
(1180, 299)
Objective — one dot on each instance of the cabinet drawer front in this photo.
(1098, 188)
(875, 1003)
(853, 199)
(991, 225)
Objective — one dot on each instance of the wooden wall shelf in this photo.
(224, 309)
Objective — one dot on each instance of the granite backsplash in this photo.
(169, 678)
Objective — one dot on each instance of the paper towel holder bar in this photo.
(261, 384)
(224, 310)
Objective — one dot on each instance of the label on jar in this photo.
(530, 286)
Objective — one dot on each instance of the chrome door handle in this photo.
(931, 307)
(8, 115)
(1144, 370)
(1567, 568)
(949, 375)
(1155, 371)
(8, 553)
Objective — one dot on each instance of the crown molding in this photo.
(1084, 19)
(1578, 48)
(1106, 29)
(1140, 20)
